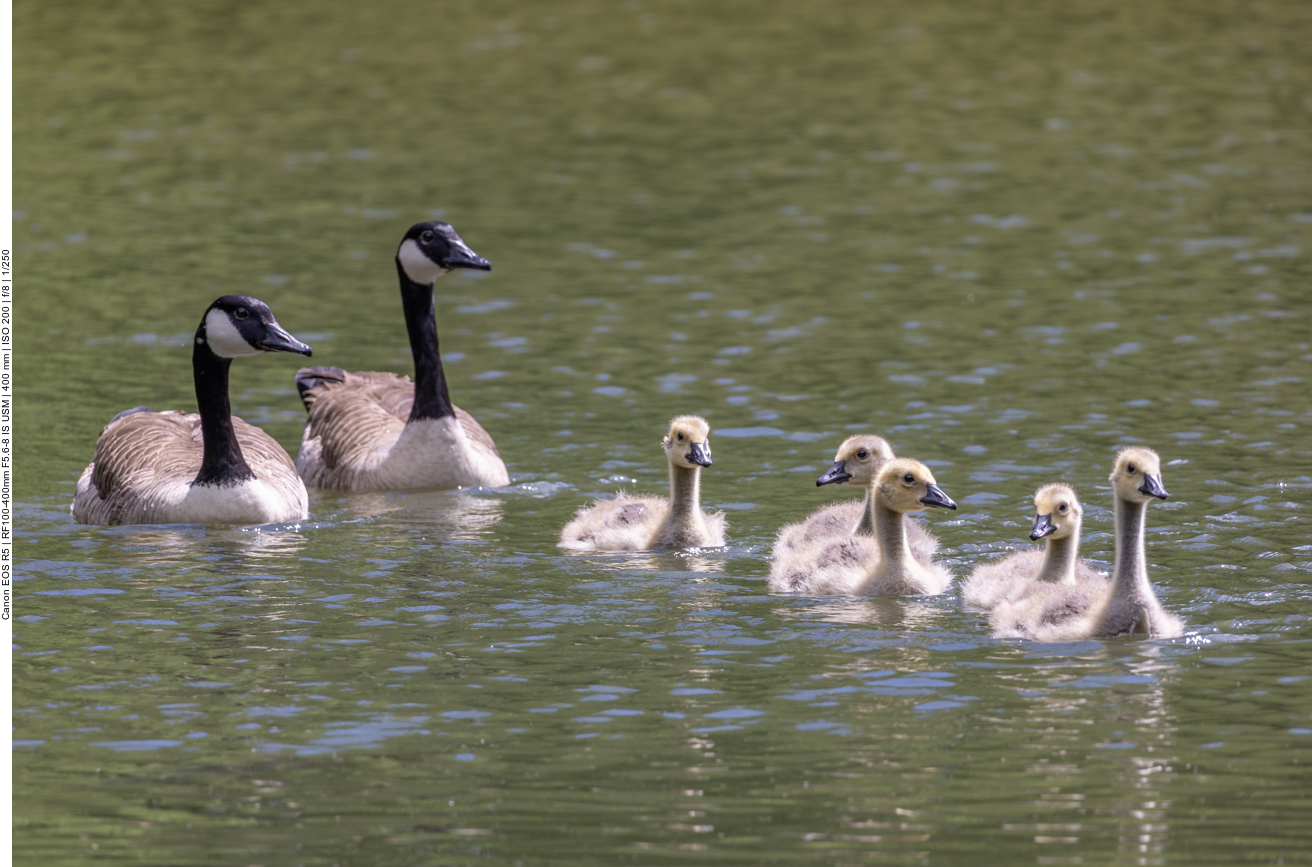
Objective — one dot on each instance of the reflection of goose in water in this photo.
(909, 615)
(857, 463)
(661, 561)
(1057, 574)
(236, 547)
(879, 565)
(643, 522)
(449, 515)
(1128, 605)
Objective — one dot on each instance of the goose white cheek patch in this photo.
(418, 267)
(224, 339)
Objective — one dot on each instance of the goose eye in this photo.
(862, 454)
(680, 437)
(908, 478)
(240, 313)
(1131, 469)
(1062, 507)
(427, 237)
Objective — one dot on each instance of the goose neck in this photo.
(432, 400)
(222, 462)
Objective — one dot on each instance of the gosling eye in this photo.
(681, 437)
(908, 478)
(1062, 508)
(240, 313)
(862, 454)
(427, 236)
(1131, 469)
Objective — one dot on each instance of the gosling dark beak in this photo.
(276, 339)
(463, 257)
(835, 475)
(700, 454)
(1152, 486)
(1043, 526)
(934, 496)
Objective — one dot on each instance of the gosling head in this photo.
(239, 325)
(688, 442)
(432, 249)
(1137, 475)
(1057, 512)
(905, 485)
(857, 461)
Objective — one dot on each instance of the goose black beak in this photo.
(835, 475)
(935, 497)
(1152, 486)
(700, 454)
(1043, 526)
(463, 257)
(276, 339)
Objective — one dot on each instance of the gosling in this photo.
(1058, 574)
(857, 462)
(1126, 606)
(643, 522)
(877, 565)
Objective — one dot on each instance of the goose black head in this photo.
(432, 249)
(238, 325)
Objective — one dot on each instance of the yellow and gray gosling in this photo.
(1128, 605)
(198, 468)
(376, 431)
(857, 462)
(643, 522)
(878, 565)
(1056, 573)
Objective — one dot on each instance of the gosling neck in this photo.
(432, 400)
(891, 532)
(223, 463)
(685, 498)
(866, 526)
(1130, 575)
(1060, 558)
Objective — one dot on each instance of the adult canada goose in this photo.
(857, 462)
(878, 565)
(642, 523)
(1056, 573)
(207, 468)
(371, 431)
(1127, 606)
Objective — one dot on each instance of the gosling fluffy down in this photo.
(644, 523)
(857, 463)
(1125, 606)
(878, 565)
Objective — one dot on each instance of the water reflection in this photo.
(910, 614)
(456, 516)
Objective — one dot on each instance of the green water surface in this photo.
(1011, 237)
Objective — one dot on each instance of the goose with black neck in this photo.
(372, 431)
(198, 468)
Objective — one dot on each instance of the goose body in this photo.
(881, 564)
(207, 467)
(1057, 573)
(644, 522)
(1127, 604)
(857, 462)
(372, 431)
